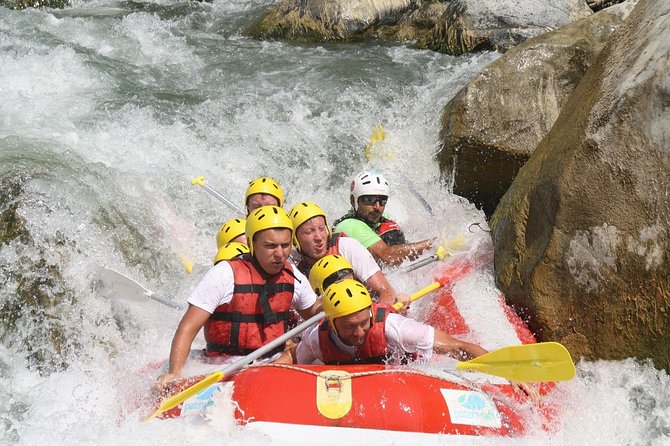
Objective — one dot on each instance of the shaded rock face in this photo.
(34, 295)
(582, 237)
(24, 4)
(476, 25)
(493, 125)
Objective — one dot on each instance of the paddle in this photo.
(126, 288)
(544, 361)
(200, 181)
(220, 374)
(374, 149)
(443, 251)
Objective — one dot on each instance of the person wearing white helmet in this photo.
(367, 223)
(245, 302)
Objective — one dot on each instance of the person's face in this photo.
(354, 328)
(371, 208)
(257, 200)
(242, 238)
(272, 248)
(313, 237)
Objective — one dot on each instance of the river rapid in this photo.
(109, 109)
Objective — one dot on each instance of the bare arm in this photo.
(444, 343)
(396, 254)
(311, 311)
(188, 328)
(381, 286)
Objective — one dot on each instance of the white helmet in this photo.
(368, 183)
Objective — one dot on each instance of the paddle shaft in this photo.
(200, 181)
(128, 288)
(164, 301)
(421, 263)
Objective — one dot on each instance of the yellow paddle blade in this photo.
(186, 263)
(373, 149)
(545, 361)
(185, 394)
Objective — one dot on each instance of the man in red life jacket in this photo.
(367, 224)
(244, 303)
(313, 241)
(358, 331)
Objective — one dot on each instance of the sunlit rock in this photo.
(492, 126)
(316, 20)
(582, 237)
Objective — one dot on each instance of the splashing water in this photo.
(109, 109)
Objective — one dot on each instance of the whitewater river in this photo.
(108, 110)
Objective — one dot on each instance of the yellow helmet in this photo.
(229, 230)
(302, 212)
(322, 272)
(265, 217)
(265, 185)
(230, 251)
(345, 298)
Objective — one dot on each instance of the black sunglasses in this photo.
(370, 200)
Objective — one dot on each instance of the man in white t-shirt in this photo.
(359, 331)
(313, 240)
(244, 303)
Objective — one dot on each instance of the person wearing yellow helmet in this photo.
(263, 191)
(367, 223)
(313, 240)
(231, 231)
(245, 302)
(359, 331)
(230, 251)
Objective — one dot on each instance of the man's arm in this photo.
(396, 254)
(444, 343)
(188, 328)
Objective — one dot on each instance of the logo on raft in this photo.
(200, 401)
(471, 408)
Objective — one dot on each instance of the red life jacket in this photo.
(386, 229)
(304, 265)
(390, 232)
(257, 313)
(374, 348)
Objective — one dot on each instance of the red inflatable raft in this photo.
(398, 399)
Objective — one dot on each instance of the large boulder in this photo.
(454, 27)
(582, 236)
(475, 25)
(493, 125)
(318, 20)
